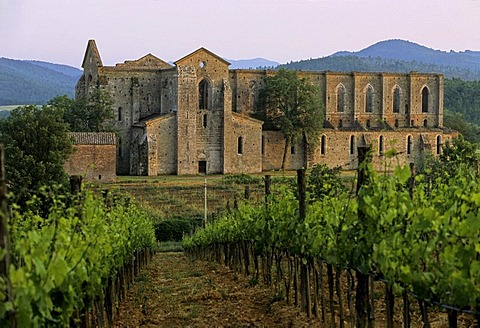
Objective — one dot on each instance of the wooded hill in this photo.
(35, 82)
(397, 56)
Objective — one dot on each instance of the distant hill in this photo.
(398, 56)
(257, 63)
(35, 82)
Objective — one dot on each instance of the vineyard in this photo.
(415, 235)
(73, 266)
(398, 249)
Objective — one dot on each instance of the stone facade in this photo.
(196, 116)
(94, 156)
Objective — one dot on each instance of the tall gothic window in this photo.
(203, 95)
(341, 98)
(369, 99)
(396, 99)
(425, 100)
(120, 114)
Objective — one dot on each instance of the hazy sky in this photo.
(281, 30)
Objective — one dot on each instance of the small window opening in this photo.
(99, 177)
(292, 150)
(409, 145)
(380, 145)
(396, 123)
(368, 123)
(340, 123)
(205, 120)
(323, 145)
(120, 148)
(352, 145)
(411, 123)
(240, 145)
(263, 145)
(425, 123)
(120, 114)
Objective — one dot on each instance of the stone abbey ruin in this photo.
(196, 116)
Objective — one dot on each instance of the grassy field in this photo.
(184, 196)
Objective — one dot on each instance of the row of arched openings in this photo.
(381, 145)
(370, 98)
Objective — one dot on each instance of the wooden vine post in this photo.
(4, 239)
(304, 275)
(362, 303)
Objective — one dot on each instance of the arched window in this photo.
(425, 123)
(369, 99)
(425, 100)
(409, 145)
(380, 145)
(203, 95)
(240, 145)
(205, 120)
(396, 99)
(439, 145)
(120, 114)
(341, 98)
(352, 145)
(323, 145)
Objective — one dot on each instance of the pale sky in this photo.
(281, 30)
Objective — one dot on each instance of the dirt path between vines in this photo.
(173, 291)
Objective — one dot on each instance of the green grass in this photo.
(170, 246)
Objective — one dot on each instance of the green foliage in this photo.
(241, 179)
(36, 147)
(463, 97)
(61, 262)
(427, 242)
(470, 131)
(459, 154)
(174, 229)
(293, 106)
(324, 181)
(87, 115)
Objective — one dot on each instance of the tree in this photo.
(36, 147)
(293, 106)
(87, 115)
(456, 121)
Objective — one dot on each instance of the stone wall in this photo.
(340, 147)
(191, 118)
(93, 157)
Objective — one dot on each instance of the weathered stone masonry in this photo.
(196, 116)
